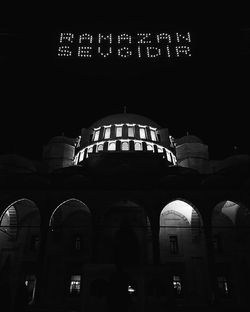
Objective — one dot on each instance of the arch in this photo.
(68, 207)
(181, 207)
(180, 227)
(229, 211)
(123, 224)
(21, 212)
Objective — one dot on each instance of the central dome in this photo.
(124, 118)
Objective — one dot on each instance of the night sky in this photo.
(43, 96)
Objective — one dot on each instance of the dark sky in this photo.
(43, 97)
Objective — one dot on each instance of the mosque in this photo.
(125, 197)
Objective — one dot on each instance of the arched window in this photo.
(100, 147)
(138, 146)
(125, 146)
(150, 147)
(112, 146)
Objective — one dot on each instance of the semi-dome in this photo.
(124, 118)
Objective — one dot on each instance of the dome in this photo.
(124, 118)
(188, 139)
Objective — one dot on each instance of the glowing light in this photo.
(141, 45)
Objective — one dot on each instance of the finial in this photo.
(124, 109)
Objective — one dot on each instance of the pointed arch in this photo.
(20, 213)
(67, 208)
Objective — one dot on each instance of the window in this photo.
(177, 285)
(100, 147)
(169, 157)
(107, 132)
(173, 242)
(160, 149)
(125, 146)
(131, 131)
(217, 243)
(153, 135)
(90, 149)
(112, 146)
(118, 131)
(150, 147)
(75, 284)
(77, 242)
(138, 146)
(223, 286)
(142, 132)
(30, 283)
(96, 135)
(34, 243)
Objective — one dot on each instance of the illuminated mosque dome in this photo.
(125, 134)
(123, 119)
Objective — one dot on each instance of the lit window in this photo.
(96, 135)
(75, 284)
(118, 131)
(160, 149)
(125, 146)
(81, 156)
(177, 285)
(90, 149)
(112, 146)
(142, 132)
(153, 135)
(30, 283)
(131, 131)
(131, 290)
(107, 132)
(169, 157)
(100, 147)
(173, 242)
(138, 146)
(223, 285)
(150, 147)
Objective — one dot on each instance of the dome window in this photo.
(142, 132)
(112, 146)
(138, 146)
(100, 147)
(153, 135)
(131, 131)
(125, 146)
(96, 134)
(160, 149)
(107, 132)
(150, 147)
(118, 131)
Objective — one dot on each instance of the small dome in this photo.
(124, 118)
(188, 139)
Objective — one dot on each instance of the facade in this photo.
(125, 212)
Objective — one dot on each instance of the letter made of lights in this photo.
(143, 45)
